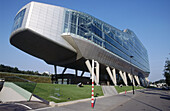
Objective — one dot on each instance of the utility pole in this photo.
(132, 75)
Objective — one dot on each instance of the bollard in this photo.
(92, 91)
(125, 91)
(92, 96)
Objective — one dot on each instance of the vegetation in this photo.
(159, 81)
(63, 93)
(34, 78)
(48, 91)
(29, 86)
(127, 88)
(4, 68)
(167, 72)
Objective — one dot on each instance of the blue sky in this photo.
(149, 19)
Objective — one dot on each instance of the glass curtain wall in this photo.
(18, 19)
(122, 43)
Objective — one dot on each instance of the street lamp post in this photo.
(132, 75)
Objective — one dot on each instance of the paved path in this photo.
(21, 106)
(109, 90)
(147, 100)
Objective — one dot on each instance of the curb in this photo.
(130, 91)
(53, 104)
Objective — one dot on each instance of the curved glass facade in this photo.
(122, 43)
(18, 19)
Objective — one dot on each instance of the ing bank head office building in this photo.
(72, 39)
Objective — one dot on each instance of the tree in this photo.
(160, 81)
(4, 68)
(167, 72)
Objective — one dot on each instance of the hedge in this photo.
(34, 78)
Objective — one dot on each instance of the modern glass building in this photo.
(70, 38)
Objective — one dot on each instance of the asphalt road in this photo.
(21, 106)
(147, 100)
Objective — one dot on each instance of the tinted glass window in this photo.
(18, 20)
(123, 43)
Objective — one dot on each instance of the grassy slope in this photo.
(34, 78)
(127, 88)
(67, 92)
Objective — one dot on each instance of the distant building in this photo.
(71, 79)
(71, 39)
(46, 72)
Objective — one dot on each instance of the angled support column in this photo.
(137, 79)
(82, 73)
(63, 74)
(147, 81)
(90, 70)
(131, 78)
(123, 77)
(112, 76)
(64, 70)
(97, 72)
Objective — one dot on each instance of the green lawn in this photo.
(29, 86)
(67, 92)
(62, 93)
(127, 88)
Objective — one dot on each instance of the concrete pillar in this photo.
(97, 72)
(131, 78)
(147, 81)
(96, 80)
(63, 74)
(137, 79)
(112, 76)
(123, 77)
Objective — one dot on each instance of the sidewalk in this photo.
(101, 104)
